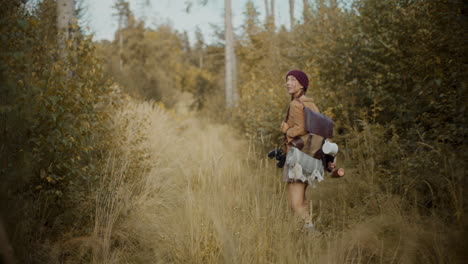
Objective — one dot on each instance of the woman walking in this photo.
(299, 139)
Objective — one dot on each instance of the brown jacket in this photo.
(295, 126)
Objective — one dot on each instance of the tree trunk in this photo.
(65, 10)
(235, 94)
(267, 11)
(120, 43)
(200, 59)
(291, 13)
(272, 2)
(306, 10)
(230, 60)
(123, 14)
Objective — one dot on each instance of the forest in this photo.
(152, 147)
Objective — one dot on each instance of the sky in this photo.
(100, 21)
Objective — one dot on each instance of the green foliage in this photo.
(262, 66)
(55, 114)
(392, 68)
(391, 73)
(67, 125)
(159, 64)
(396, 56)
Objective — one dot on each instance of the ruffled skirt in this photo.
(303, 168)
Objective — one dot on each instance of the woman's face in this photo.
(293, 85)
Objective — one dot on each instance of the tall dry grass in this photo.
(206, 195)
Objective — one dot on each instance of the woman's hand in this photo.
(331, 165)
(284, 127)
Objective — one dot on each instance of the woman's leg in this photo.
(296, 191)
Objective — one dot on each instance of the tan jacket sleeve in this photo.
(296, 117)
(284, 127)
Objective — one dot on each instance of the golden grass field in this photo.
(211, 197)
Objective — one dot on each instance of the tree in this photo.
(305, 10)
(123, 14)
(230, 58)
(270, 13)
(65, 10)
(199, 46)
(251, 24)
(291, 13)
(267, 11)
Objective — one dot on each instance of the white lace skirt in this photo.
(302, 167)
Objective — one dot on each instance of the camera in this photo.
(279, 155)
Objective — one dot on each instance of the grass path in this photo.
(209, 197)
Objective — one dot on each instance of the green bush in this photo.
(396, 66)
(56, 128)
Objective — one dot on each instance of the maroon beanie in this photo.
(301, 78)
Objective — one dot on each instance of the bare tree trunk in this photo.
(267, 11)
(230, 60)
(272, 2)
(123, 14)
(235, 94)
(291, 13)
(306, 10)
(65, 10)
(120, 43)
(200, 59)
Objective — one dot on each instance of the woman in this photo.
(293, 127)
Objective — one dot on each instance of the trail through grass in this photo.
(211, 197)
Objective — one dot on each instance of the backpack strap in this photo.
(287, 113)
(297, 99)
(286, 120)
(309, 140)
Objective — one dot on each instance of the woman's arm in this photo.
(284, 127)
(296, 115)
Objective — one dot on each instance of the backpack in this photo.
(319, 128)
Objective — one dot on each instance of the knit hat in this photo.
(301, 78)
